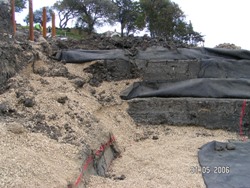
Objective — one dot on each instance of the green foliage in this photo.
(128, 15)
(68, 33)
(20, 5)
(66, 12)
(165, 19)
(162, 17)
(38, 15)
(89, 13)
(186, 34)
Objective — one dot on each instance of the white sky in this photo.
(219, 20)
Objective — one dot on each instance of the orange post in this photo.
(31, 16)
(13, 16)
(44, 22)
(53, 25)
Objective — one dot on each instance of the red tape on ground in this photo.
(91, 158)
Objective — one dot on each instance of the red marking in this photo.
(79, 179)
(91, 158)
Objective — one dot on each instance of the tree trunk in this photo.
(5, 18)
(122, 29)
(90, 28)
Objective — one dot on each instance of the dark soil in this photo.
(13, 58)
(112, 70)
(99, 42)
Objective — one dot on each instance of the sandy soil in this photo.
(165, 162)
(146, 162)
(33, 160)
(44, 145)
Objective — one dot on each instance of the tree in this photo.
(20, 5)
(38, 15)
(189, 36)
(128, 15)
(66, 12)
(161, 16)
(89, 13)
(165, 19)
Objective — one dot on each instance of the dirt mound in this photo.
(17, 54)
(228, 46)
(61, 112)
(112, 70)
(99, 42)
(13, 58)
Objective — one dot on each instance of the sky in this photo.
(220, 21)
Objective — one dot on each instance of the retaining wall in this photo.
(210, 113)
(171, 70)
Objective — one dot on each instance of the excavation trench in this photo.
(191, 89)
(62, 111)
(98, 162)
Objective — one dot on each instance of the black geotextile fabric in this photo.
(81, 56)
(224, 68)
(160, 53)
(223, 168)
(223, 73)
(153, 53)
(202, 87)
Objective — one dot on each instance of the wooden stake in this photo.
(31, 20)
(44, 22)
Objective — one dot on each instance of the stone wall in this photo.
(171, 70)
(210, 113)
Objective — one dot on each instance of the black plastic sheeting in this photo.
(158, 53)
(154, 53)
(224, 68)
(81, 56)
(224, 168)
(223, 73)
(203, 88)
